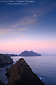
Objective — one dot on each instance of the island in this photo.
(4, 60)
(20, 73)
(29, 53)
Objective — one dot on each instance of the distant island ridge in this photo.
(24, 53)
(29, 53)
(10, 54)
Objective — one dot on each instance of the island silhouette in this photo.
(29, 53)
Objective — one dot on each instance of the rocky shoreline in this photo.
(5, 60)
(21, 74)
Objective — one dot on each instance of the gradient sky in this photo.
(28, 27)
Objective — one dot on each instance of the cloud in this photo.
(4, 31)
(22, 29)
(13, 28)
(25, 21)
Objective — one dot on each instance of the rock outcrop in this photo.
(21, 74)
(29, 53)
(5, 60)
(2, 83)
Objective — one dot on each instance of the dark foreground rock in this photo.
(2, 83)
(29, 53)
(4, 59)
(21, 74)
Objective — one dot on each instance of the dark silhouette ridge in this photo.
(4, 59)
(22, 74)
(11, 54)
(29, 53)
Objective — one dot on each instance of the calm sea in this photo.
(43, 66)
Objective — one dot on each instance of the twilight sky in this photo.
(30, 26)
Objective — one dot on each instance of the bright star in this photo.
(34, 15)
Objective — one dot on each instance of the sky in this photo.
(28, 25)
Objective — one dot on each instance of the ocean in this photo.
(43, 66)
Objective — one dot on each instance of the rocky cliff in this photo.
(22, 74)
(29, 53)
(5, 59)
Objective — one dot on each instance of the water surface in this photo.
(43, 66)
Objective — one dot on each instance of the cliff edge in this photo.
(21, 74)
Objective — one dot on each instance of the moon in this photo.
(34, 15)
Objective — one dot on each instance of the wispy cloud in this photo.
(25, 21)
(22, 29)
(4, 31)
